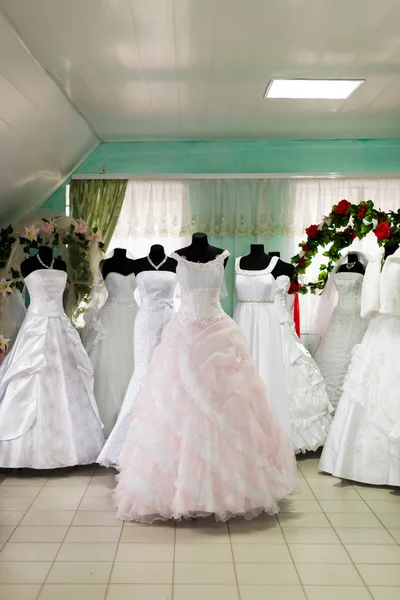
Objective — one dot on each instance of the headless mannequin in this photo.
(46, 255)
(118, 263)
(390, 248)
(356, 265)
(200, 251)
(258, 260)
(157, 256)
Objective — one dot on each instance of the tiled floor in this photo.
(60, 541)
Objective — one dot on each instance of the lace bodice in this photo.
(349, 286)
(200, 285)
(156, 288)
(256, 286)
(46, 288)
(120, 288)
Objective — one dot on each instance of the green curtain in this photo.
(98, 202)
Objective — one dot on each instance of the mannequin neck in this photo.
(390, 248)
(200, 250)
(200, 242)
(157, 253)
(257, 250)
(352, 258)
(256, 260)
(46, 254)
(119, 253)
(278, 254)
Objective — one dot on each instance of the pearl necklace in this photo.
(43, 264)
(156, 267)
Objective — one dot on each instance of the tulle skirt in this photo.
(203, 439)
(364, 440)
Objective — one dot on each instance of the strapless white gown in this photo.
(156, 290)
(48, 414)
(109, 343)
(309, 406)
(257, 316)
(346, 329)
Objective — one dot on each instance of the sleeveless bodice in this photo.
(349, 286)
(200, 285)
(120, 288)
(156, 289)
(255, 286)
(46, 288)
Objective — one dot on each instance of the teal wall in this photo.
(309, 156)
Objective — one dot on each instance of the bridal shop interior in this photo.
(199, 300)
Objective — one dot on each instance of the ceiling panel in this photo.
(198, 69)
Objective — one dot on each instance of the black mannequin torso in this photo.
(258, 260)
(390, 248)
(45, 254)
(156, 255)
(353, 265)
(200, 251)
(118, 263)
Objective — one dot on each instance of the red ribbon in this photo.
(296, 313)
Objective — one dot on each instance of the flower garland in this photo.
(339, 229)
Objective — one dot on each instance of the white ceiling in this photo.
(197, 69)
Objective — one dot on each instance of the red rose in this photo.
(305, 248)
(312, 231)
(383, 231)
(362, 211)
(302, 262)
(294, 287)
(343, 207)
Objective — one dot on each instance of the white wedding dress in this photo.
(364, 440)
(48, 414)
(257, 315)
(157, 289)
(109, 343)
(309, 406)
(346, 329)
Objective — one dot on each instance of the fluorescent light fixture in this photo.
(318, 89)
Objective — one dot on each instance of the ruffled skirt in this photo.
(364, 441)
(203, 439)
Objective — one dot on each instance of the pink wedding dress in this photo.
(203, 439)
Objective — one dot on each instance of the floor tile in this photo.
(300, 506)
(93, 534)
(345, 506)
(19, 491)
(385, 506)
(336, 592)
(73, 592)
(102, 518)
(319, 554)
(261, 553)
(51, 517)
(395, 533)
(145, 552)
(324, 481)
(6, 532)
(304, 493)
(271, 592)
(15, 503)
(317, 574)
(98, 491)
(142, 572)
(11, 517)
(289, 520)
(70, 481)
(30, 481)
(376, 493)
(380, 575)
(27, 551)
(24, 572)
(311, 535)
(249, 535)
(142, 592)
(374, 554)
(80, 572)
(102, 552)
(391, 521)
(97, 504)
(204, 573)
(385, 593)
(205, 592)
(267, 574)
(203, 553)
(333, 493)
(364, 536)
(62, 492)
(55, 503)
(203, 535)
(353, 520)
(39, 534)
(108, 480)
(19, 592)
(148, 534)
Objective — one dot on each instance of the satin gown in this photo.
(257, 316)
(156, 290)
(203, 439)
(345, 330)
(48, 414)
(109, 343)
(309, 406)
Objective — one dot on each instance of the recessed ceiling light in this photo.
(320, 89)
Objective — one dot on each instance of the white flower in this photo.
(327, 222)
(374, 223)
(320, 226)
(366, 222)
(4, 343)
(5, 287)
(81, 227)
(48, 227)
(96, 237)
(31, 233)
(301, 254)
